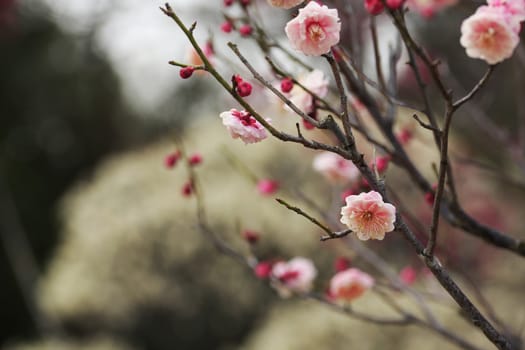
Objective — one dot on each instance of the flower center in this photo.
(316, 32)
(488, 37)
(245, 118)
(367, 216)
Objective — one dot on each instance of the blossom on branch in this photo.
(368, 216)
(243, 125)
(316, 82)
(296, 275)
(335, 168)
(488, 35)
(514, 8)
(315, 29)
(350, 284)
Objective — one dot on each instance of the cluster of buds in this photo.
(172, 159)
(242, 87)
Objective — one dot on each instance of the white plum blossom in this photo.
(296, 275)
(242, 125)
(335, 168)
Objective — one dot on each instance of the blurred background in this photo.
(98, 248)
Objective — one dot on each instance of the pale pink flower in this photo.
(428, 8)
(501, 11)
(514, 8)
(296, 275)
(350, 284)
(368, 216)
(242, 125)
(335, 168)
(315, 29)
(285, 4)
(316, 82)
(488, 35)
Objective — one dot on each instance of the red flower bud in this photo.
(227, 27)
(250, 236)
(195, 159)
(404, 136)
(244, 89)
(267, 186)
(408, 275)
(286, 85)
(382, 163)
(245, 30)
(374, 7)
(186, 72)
(171, 159)
(394, 4)
(187, 189)
(341, 264)
(263, 269)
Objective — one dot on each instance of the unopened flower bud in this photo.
(244, 89)
(187, 189)
(195, 159)
(250, 236)
(404, 136)
(374, 7)
(408, 275)
(171, 159)
(286, 85)
(263, 269)
(227, 27)
(267, 186)
(245, 30)
(394, 4)
(186, 72)
(382, 163)
(341, 264)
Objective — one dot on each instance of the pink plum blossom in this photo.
(514, 8)
(315, 29)
(350, 284)
(242, 125)
(335, 168)
(500, 11)
(368, 216)
(488, 35)
(295, 275)
(316, 82)
(285, 4)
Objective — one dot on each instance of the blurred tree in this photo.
(61, 110)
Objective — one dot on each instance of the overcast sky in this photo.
(137, 38)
